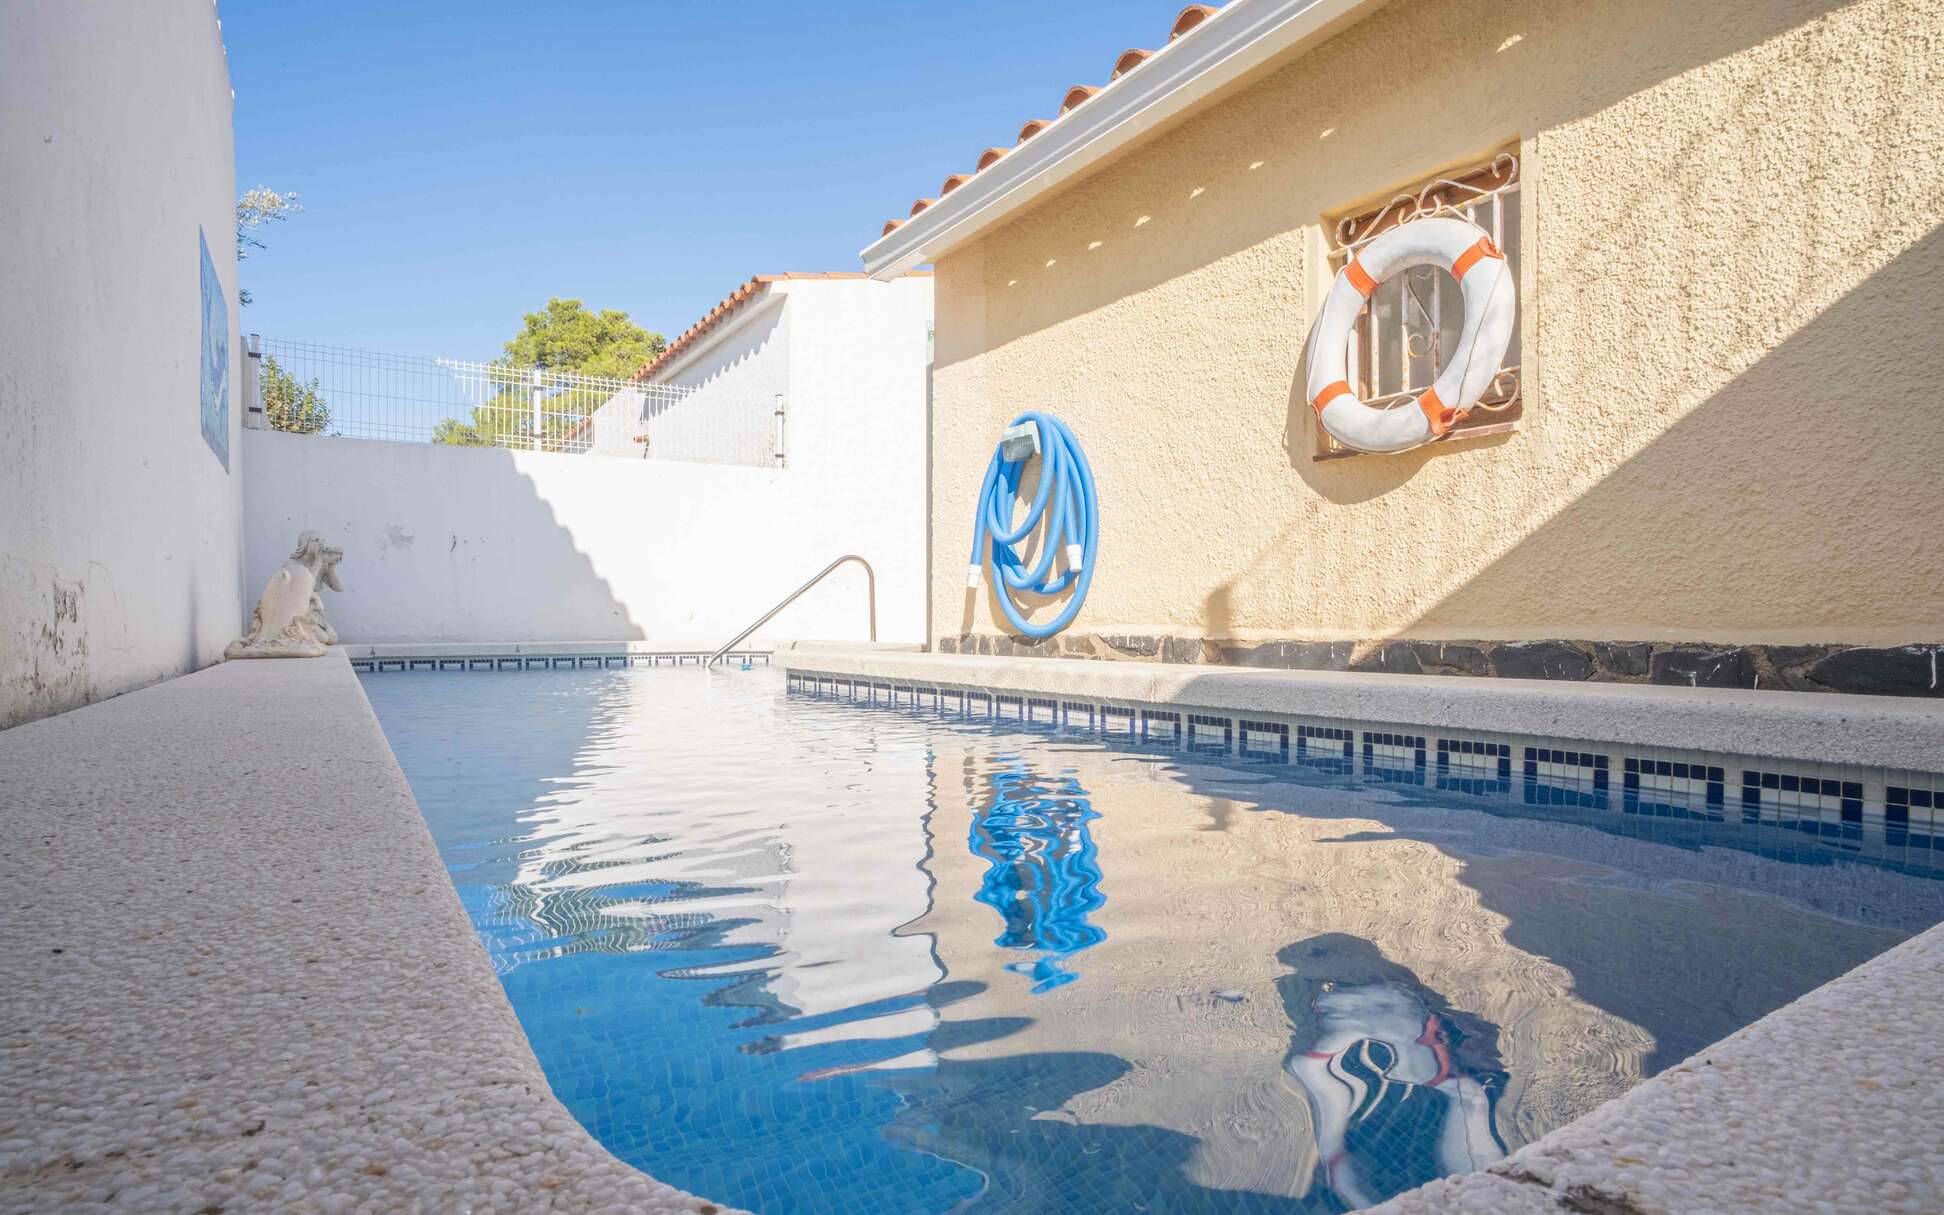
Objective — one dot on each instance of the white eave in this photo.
(1231, 43)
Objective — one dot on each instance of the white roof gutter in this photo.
(1232, 42)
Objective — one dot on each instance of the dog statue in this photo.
(289, 619)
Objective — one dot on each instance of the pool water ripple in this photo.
(812, 957)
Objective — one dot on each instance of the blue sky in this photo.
(461, 161)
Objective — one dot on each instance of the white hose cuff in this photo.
(973, 576)
(1073, 556)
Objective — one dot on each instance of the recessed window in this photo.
(1409, 330)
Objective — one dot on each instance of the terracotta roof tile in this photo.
(1129, 61)
(757, 285)
(1077, 96)
(1191, 17)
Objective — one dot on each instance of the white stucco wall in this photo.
(447, 544)
(734, 381)
(119, 532)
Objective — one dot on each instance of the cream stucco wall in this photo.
(1731, 277)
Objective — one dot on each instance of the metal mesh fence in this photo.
(313, 388)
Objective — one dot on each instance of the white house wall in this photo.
(119, 529)
(450, 544)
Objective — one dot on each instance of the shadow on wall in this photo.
(1743, 490)
(1744, 495)
(442, 544)
(1101, 257)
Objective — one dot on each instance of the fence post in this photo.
(779, 431)
(252, 383)
(536, 409)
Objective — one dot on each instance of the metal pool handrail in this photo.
(870, 579)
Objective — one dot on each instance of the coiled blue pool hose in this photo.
(1066, 490)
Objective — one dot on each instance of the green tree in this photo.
(257, 207)
(562, 337)
(290, 404)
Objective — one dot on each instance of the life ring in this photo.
(1467, 251)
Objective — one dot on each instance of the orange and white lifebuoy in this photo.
(1467, 251)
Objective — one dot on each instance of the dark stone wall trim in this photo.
(1905, 670)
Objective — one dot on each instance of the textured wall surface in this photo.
(119, 532)
(1730, 272)
(448, 544)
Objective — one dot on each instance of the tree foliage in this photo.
(290, 404)
(565, 336)
(259, 206)
(562, 337)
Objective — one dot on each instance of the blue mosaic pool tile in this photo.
(1210, 735)
(1326, 749)
(1910, 818)
(1267, 741)
(1161, 728)
(1119, 723)
(1472, 766)
(1559, 777)
(1671, 788)
(1831, 809)
(1395, 758)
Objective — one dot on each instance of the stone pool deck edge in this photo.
(238, 978)
(1829, 1103)
(1873, 731)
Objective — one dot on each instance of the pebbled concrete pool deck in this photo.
(237, 978)
(1831, 1103)
(1874, 731)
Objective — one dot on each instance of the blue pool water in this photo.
(802, 956)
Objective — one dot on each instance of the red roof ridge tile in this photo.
(1077, 96)
(733, 302)
(1190, 17)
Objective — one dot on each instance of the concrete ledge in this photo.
(1875, 731)
(237, 977)
(1831, 1103)
(561, 649)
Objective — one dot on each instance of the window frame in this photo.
(1477, 182)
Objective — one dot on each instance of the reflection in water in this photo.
(1401, 1087)
(1043, 874)
(755, 959)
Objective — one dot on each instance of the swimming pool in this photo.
(801, 954)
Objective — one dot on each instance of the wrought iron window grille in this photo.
(1398, 343)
